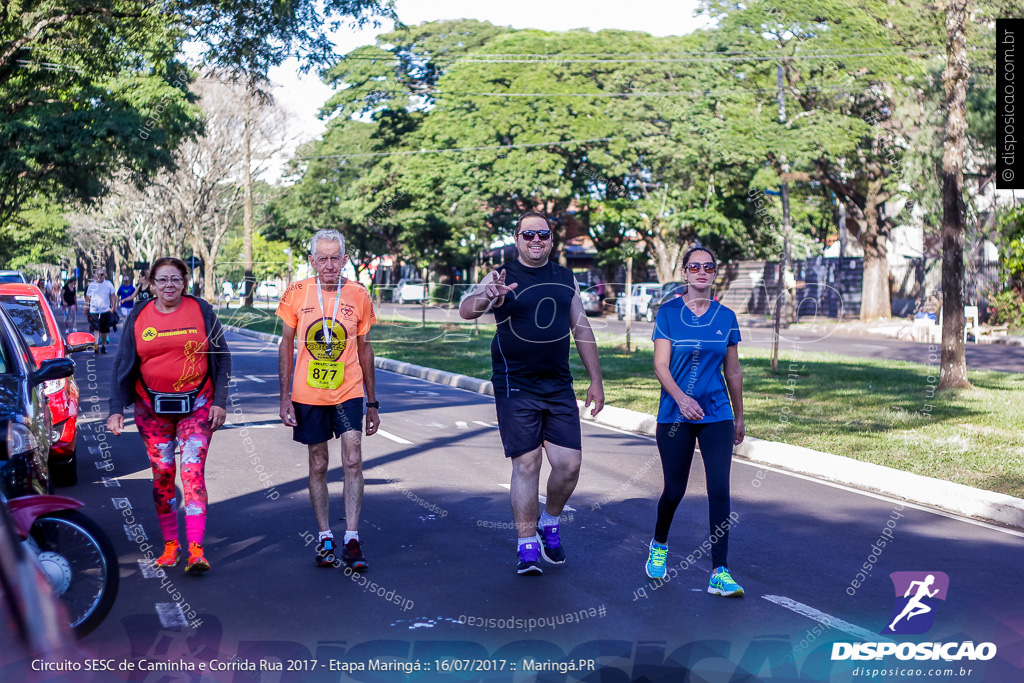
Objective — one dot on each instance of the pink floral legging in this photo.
(160, 434)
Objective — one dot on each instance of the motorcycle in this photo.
(74, 553)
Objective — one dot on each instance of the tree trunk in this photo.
(953, 372)
(874, 293)
(250, 280)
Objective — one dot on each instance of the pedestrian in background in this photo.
(69, 305)
(173, 364)
(695, 340)
(536, 305)
(100, 300)
(125, 295)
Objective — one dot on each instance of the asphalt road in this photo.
(825, 337)
(441, 593)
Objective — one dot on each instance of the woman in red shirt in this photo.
(173, 364)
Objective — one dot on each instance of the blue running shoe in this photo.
(722, 583)
(656, 560)
(529, 559)
(551, 545)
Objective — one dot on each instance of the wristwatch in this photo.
(373, 404)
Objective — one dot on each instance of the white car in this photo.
(409, 289)
(267, 290)
(643, 294)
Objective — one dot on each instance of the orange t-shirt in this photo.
(172, 347)
(327, 374)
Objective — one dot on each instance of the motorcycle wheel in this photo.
(80, 563)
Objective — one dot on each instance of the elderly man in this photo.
(322, 390)
(536, 304)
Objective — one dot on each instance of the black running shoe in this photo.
(325, 553)
(352, 556)
(551, 545)
(529, 559)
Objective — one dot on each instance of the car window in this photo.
(6, 366)
(27, 315)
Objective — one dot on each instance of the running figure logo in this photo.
(911, 614)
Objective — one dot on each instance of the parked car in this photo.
(409, 289)
(669, 291)
(592, 303)
(32, 315)
(24, 416)
(267, 290)
(643, 294)
(12, 276)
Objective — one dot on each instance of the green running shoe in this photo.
(722, 583)
(656, 560)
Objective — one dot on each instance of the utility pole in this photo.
(629, 300)
(785, 266)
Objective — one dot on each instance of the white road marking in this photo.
(148, 570)
(484, 424)
(826, 619)
(461, 425)
(254, 378)
(543, 499)
(246, 425)
(171, 615)
(392, 437)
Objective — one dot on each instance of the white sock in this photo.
(349, 535)
(548, 520)
(524, 541)
(326, 534)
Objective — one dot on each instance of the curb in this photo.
(958, 499)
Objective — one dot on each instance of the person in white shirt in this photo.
(100, 299)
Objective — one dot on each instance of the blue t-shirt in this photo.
(123, 292)
(530, 350)
(699, 344)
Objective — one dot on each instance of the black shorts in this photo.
(101, 322)
(526, 423)
(317, 424)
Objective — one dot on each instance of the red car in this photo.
(29, 310)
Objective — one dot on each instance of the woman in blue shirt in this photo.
(695, 339)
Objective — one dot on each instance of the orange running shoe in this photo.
(197, 564)
(170, 556)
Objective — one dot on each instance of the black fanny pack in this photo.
(174, 403)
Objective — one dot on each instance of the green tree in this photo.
(843, 66)
(88, 89)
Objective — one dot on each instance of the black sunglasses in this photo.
(695, 267)
(543, 235)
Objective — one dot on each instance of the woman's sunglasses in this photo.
(695, 267)
(542, 235)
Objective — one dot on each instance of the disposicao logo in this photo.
(914, 613)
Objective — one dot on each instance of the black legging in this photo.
(675, 445)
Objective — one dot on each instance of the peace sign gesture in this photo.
(497, 288)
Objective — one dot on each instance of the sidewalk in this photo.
(958, 499)
(889, 329)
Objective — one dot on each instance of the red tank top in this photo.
(172, 347)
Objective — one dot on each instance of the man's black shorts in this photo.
(317, 424)
(526, 423)
(101, 322)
